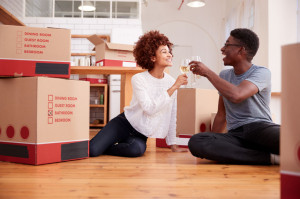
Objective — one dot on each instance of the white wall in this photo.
(298, 20)
(194, 31)
(282, 30)
(83, 26)
(237, 15)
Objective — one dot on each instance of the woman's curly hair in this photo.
(146, 47)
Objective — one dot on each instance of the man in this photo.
(245, 92)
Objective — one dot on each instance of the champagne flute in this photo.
(184, 67)
(196, 58)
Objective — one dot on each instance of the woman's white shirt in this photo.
(152, 111)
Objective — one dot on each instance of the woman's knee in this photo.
(138, 148)
(96, 148)
(92, 150)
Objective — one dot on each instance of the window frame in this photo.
(112, 15)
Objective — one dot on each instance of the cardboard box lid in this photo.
(112, 46)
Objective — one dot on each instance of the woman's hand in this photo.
(181, 80)
(175, 148)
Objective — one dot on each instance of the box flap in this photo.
(113, 46)
(95, 39)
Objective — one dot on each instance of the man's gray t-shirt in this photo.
(255, 108)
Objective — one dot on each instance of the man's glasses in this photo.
(226, 45)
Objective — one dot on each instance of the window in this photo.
(102, 9)
(124, 9)
(37, 8)
(69, 8)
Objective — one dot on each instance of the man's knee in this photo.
(198, 144)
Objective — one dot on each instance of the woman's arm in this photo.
(181, 80)
(150, 104)
(171, 137)
(153, 104)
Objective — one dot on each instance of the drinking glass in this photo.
(196, 58)
(184, 66)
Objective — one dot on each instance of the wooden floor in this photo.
(158, 174)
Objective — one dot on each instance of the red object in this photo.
(10, 131)
(24, 132)
(109, 62)
(29, 68)
(202, 127)
(290, 186)
(297, 153)
(161, 143)
(95, 80)
(37, 154)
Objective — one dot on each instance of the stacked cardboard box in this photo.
(42, 119)
(28, 51)
(111, 54)
(289, 134)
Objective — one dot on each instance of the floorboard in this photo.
(158, 174)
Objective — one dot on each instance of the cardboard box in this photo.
(28, 51)
(43, 120)
(289, 134)
(111, 54)
(194, 108)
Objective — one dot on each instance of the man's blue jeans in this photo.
(249, 144)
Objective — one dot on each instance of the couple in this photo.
(245, 92)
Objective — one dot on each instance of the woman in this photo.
(152, 111)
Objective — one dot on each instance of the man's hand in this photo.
(199, 68)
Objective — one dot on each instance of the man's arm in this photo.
(233, 93)
(219, 124)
